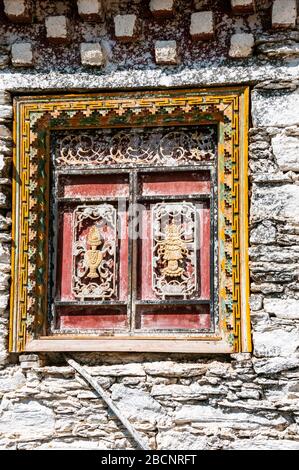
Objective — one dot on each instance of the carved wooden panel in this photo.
(174, 249)
(94, 252)
(139, 131)
(157, 146)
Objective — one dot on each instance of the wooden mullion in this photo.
(134, 254)
(175, 197)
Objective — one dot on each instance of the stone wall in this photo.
(176, 401)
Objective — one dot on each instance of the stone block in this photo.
(5, 133)
(125, 27)
(29, 420)
(274, 365)
(202, 25)
(90, 10)
(5, 199)
(172, 369)
(137, 404)
(166, 52)
(286, 151)
(4, 56)
(5, 165)
(263, 444)
(274, 254)
(182, 393)
(281, 50)
(5, 250)
(5, 113)
(256, 302)
(162, 8)
(265, 233)
(5, 222)
(57, 29)
(4, 281)
(277, 203)
(266, 104)
(77, 444)
(240, 7)
(18, 11)
(241, 45)
(5, 97)
(282, 308)
(273, 272)
(21, 54)
(5, 147)
(4, 300)
(284, 14)
(179, 439)
(92, 54)
(29, 357)
(272, 342)
(209, 416)
(121, 370)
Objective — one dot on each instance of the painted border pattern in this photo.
(36, 117)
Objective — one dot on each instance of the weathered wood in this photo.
(137, 438)
(127, 345)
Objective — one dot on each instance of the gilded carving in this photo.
(132, 147)
(174, 249)
(94, 252)
(93, 257)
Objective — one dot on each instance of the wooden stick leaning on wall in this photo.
(97, 387)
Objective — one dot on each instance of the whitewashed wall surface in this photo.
(243, 401)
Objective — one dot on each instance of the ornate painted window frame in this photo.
(36, 118)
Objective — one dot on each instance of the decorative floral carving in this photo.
(174, 249)
(137, 146)
(94, 269)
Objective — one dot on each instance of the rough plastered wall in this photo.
(176, 401)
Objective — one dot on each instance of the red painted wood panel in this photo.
(123, 281)
(145, 291)
(65, 260)
(92, 318)
(92, 186)
(162, 317)
(204, 253)
(173, 321)
(65, 256)
(169, 183)
(173, 317)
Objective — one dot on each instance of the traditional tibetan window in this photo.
(130, 222)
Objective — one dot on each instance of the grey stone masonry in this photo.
(92, 54)
(57, 29)
(286, 149)
(90, 10)
(18, 11)
(284, 14)
(166, 52)
(144, 23)
(242, 6)
(5, 219)
(241, 45)
(202, 25)
(162, 8)
(125, 27)
(22, 54)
